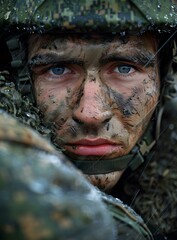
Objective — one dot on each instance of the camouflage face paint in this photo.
(99, 94)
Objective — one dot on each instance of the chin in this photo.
(105, 182)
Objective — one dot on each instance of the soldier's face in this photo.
(100, 93)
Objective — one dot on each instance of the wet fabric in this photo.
(90, 15)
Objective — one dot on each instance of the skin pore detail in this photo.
(98, 93)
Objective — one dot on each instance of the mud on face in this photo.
(99, 94)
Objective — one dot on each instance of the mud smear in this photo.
(123, 104)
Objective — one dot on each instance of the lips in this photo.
(93, 147)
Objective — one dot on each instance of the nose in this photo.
(93, 108)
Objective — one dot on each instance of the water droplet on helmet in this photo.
(166, 17)
(171, 14)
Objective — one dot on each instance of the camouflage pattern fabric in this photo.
(83, 15)
(42, 196)
(19, 106)
(129, 224)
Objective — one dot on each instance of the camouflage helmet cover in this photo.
(84, 15)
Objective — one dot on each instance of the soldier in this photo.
(98, 75)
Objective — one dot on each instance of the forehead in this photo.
(105, 42)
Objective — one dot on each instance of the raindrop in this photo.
(166, 17)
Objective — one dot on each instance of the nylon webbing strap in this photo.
(103, 166)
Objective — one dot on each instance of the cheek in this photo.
(55, 103)
(48, 99)
(135, 108)
(145, 103)
(151, 90)
(44, 100)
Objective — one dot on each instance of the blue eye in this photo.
(58, 70)
(124, 69)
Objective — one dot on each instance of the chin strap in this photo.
(132, 160)
(102, 166)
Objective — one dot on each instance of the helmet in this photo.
(77, 15)
(19, 17)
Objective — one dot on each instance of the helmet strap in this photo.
(20, 71)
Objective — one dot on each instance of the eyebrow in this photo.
(145, 59)
(52, 58)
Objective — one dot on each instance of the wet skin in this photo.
(99, 92)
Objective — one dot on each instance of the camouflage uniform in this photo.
(101, 16)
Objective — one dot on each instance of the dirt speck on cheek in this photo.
(68, 90)
(124, 104)
(52, 99)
